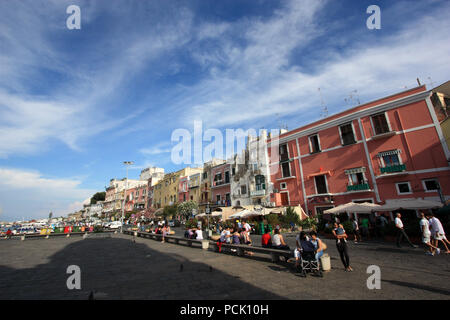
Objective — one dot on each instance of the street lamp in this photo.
(127, 164)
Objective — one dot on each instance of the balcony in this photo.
(258, 193)
(393, 168)
(358, 187)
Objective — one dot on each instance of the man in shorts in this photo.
(437, 231)
(426, 236)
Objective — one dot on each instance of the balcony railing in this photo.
(393, 168)
(358, 187)
(256, 193)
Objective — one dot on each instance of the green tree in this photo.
(185, 208)
(290, 216)
(170, 210)
(99, 196)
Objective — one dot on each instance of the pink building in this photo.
(130, 199)
(183, 189)
(220, 184)
(386, 149)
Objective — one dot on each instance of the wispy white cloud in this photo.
(35, 195)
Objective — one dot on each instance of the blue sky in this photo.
(74, 104)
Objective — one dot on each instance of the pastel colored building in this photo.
(221, 184)
(183, 189)
(387, 149)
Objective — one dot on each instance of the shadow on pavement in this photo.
(418, 286)
(116, 268)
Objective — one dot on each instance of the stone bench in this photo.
(168, 238)
(275, 254)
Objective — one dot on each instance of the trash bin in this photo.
(326, 262)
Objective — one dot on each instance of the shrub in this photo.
(290, 216)
(98, 229)
(273, 219)
(191, 223)
(348, 226)
(309, 223)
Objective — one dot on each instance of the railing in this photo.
(256, 193)
(358, 187)
(393, 168)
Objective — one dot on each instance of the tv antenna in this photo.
(324, 113)
(355, 92)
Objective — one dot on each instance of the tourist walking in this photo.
(437, 231)
(341, 245)
(426, 235)
(401, 231)
(356, 232)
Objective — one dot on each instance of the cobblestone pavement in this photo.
(118, 268)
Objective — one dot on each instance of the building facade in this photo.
(387, 149)
(250, 183)
(221, 184)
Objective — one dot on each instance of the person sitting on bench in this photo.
(278, 241)
(266, 240)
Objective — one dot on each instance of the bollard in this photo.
(205, 244)
(68, 235)
(135, 233)
(85, 235)
(22, 238)
(47, 236)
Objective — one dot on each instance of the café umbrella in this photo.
(353, 207)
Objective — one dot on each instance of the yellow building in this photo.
(195, 182)
(165, 192)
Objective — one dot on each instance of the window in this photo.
(403, 188)
(218, 198)
(184, 197)
(430, 185)
(285, 169)
(391, 160)
(357, 178)
(205, 175)
(347, 135)
(314, 145)
(227, 176)
(233, 171)
(244, 189)
(283, 185)
(380, 124)
(321, 184)
(218, 177)
(284, 156)
(260, 182)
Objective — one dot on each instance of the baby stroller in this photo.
(308, 260)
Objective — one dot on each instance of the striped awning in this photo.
(388, 153)
(355, 170)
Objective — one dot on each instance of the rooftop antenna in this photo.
(418, 81)
(324, 113)
(351, 96)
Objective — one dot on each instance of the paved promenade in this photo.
(117, 268)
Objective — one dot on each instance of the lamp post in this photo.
(207, 211)
(126, 163)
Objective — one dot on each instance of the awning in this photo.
(159, 212)
(319, 174)
(353, 207)
(388, 153)
(355, 170)
(410, 204)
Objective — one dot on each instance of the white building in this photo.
(250, 183)
(152, 172)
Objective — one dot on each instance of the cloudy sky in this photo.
(74, 104)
